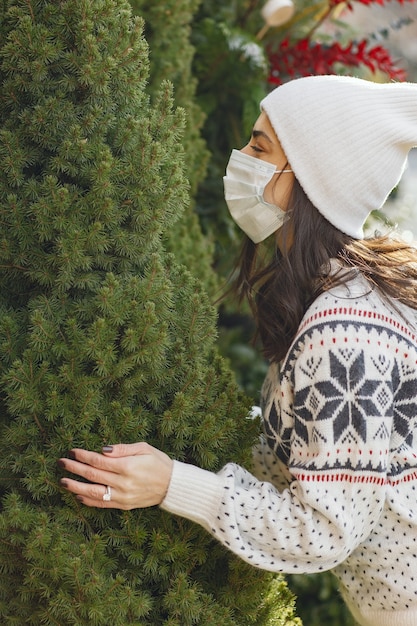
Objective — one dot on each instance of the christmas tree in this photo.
(105, 336)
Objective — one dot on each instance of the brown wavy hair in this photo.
(281, 283)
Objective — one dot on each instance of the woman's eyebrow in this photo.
(260, 133)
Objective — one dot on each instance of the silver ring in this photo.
(107, 495)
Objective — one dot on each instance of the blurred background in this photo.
(395, 24)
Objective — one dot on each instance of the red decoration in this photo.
(305, 58)
(333, 3)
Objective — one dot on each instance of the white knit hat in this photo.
(347, 141)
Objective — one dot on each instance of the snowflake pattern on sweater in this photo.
(334, 484)
(347, 395)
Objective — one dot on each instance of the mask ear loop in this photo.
(284, 171)
(279, 172)
(288, 213)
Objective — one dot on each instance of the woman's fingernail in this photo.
(107, 448)
(80, 499)
(61, 463)
(71, 454)
(63, 483)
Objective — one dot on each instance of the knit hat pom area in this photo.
(347, 140)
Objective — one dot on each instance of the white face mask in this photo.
(244, 186)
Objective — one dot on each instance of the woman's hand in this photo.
(129, 476)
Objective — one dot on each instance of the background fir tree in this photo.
(104, 336)
(168, 33)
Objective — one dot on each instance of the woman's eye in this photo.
(256, 149)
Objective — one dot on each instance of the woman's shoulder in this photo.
(354, 301)
(346, 288)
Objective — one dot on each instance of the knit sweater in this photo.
(334, 484)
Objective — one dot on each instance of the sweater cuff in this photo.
(193, 493)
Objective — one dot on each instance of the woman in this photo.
(335, 479)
